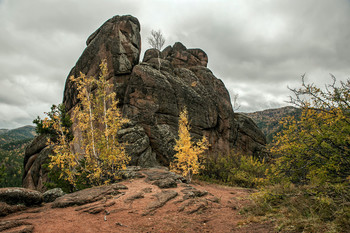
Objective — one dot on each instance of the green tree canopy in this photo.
(317, 147)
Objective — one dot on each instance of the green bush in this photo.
(60, 111)
(234, 169)
(55, 180)
(305, 208)
(309, 179)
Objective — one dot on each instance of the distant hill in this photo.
(3, 131)
(12, 145)
(18, 134)
(269, 120)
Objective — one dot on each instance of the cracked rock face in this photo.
(152, 94)
(118, 41)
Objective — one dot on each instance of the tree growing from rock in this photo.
(97, 119)
(186, 160)
(235, 103)
(156, 40)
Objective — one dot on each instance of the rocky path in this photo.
(158, 202)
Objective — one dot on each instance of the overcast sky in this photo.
(257, 47)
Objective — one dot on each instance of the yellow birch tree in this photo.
(98, 118)
(186, 160)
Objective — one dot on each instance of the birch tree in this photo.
(186, 160)
(98, 118)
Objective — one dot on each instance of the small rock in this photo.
(132, 172)
(184, 205)
(52, 194)
(95, 210)
(147, 190)
(19, 225)
(191, 192)
(6, 209)
(119, 224)
(134, 197)
(162, 198)
(199, 207)
(109, 204)
(154, 174)
(165, 183)
(213, 199)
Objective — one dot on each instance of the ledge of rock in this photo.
(15, 196)
(88, 195)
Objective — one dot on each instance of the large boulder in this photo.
(152, 94)
(250, 137)
(35, 173)
(88, 195)
(118, 41)
(16, 196)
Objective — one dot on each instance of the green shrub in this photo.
(55, 180)
(309, 179)
(305, 208)
(234, 169)
(60, 111)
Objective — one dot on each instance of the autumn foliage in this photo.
(186, 160)
(97, 119)
(308, 183)
(316, 148)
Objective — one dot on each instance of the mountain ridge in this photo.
(20, 133)
(268, 120)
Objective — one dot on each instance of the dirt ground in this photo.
(218, 211)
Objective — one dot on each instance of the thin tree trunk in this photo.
(105, 117)
(92, 128)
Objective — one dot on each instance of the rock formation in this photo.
(17, 199)
(151, 94)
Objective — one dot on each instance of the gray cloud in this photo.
(257, 48)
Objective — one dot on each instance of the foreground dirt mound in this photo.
(140, 205)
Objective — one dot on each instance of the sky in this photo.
(258, 48)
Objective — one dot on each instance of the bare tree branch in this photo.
(156, 40)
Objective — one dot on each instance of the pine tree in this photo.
(186, 160)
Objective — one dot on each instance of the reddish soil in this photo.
(216, 212)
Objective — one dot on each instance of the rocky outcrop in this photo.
(250, 137)
(35, 172)
(6, 209)
(87, 195)
(17, 199)
(152, 94)
(161, 199)
(161, 86)
(118, 41)
(16, 196)
(16, 226)
(52, 194)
